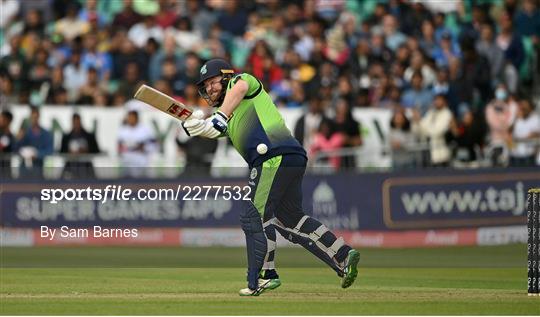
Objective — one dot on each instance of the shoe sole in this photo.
(352, 272)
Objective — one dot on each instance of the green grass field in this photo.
(205, 281)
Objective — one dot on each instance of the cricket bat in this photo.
(161, 101)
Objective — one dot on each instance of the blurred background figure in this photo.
(307, 125)
(34, 143)
(418, 96)
(7, 143)
(351, 131)
(326, 140)
(433, 127)
(466, 136)
(401, 141)
(500, 115)
(525, 141)
(136, 144)
(77, 143)
(198, 152)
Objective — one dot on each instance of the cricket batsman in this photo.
(247, 115)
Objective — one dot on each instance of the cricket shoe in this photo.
(250, 292)
(272, 283)
(264, 285)
(350, 270)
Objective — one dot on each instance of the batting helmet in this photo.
(213, 68)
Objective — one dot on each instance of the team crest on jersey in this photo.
(253, 173)
(203, 70)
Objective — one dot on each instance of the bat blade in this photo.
(163, 102)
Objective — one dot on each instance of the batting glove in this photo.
(215, 126)
(195, 124)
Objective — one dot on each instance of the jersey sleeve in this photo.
(253, 84)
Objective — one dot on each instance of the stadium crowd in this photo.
(462, 75)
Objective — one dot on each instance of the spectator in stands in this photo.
(350, 129)
(428, 41)
(34, 143)
(167, 15)
(500, 114)
(7, 142)
(92, 90)
(71, 26)
(525, 141)
(56, 86)
(201, 17)
(441, 86)
(298, 96)
(327, 139)
(411, 17)
(75, 76)
(10, 9)
(475, 77)
(510, 42)
(417, 96)
(59, 96)
(377, 16)
(190, 69)
(445, 51)
(391, 98)
(360, 58)
(345, 89)
(127, 17)
(393, 37)
(470, 30)
(256, 58)
(125, 52)
(439, 23)
(306, 38)
(379, 51)
(272, 73)
(92, 58)
(15, 64)
(6, 137)
(276, 37)
(418, 64)
(171, 75)
(78, 141)
(186, 39)
(7, 94)
(39, 72)
(433, 127)
(130, 81)
(401, 140)
(142, 31)
(168, 50)
(487, 47)
(336, 49)
(33, 24)
(90, 11)
(466, 135)
(527, 19)
(307, 125)
(198, 152)
(233, 19)
(136, 143)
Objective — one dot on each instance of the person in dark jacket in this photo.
(77, 143)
